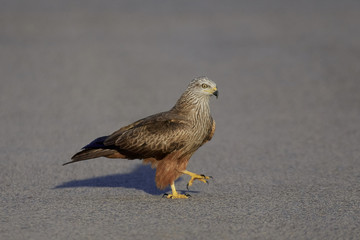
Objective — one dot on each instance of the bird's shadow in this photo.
(141, 178)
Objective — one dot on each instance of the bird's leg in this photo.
(175, 194)
(194, 177)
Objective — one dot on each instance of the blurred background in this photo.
(287, 115)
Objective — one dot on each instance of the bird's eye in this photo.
(204, 85)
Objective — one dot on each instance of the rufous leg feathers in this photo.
(169, 169)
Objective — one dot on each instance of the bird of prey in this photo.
(167, 140)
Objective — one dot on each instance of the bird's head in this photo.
(203, 86)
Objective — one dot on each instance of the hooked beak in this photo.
(216, 92)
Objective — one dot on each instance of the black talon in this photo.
(187, 187)
(165, 194)
(188, 195)
(206, 176)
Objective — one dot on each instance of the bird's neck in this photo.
(193, 107)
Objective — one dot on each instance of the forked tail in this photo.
(94, 149)
(87, 154)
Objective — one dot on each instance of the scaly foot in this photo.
(175, 194)
(194, 177)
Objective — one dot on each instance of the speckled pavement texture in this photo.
(285, 156)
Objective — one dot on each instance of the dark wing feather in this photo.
(97, 143)
(153, 137)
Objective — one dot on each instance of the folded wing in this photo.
(152, 137)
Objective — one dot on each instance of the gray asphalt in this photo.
(285, 156)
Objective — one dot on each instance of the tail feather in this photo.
(91, 153)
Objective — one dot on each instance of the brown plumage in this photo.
(167, 140)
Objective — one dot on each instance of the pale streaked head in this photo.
(203, 86)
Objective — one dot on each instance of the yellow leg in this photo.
(175, 194)
(194, 177)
